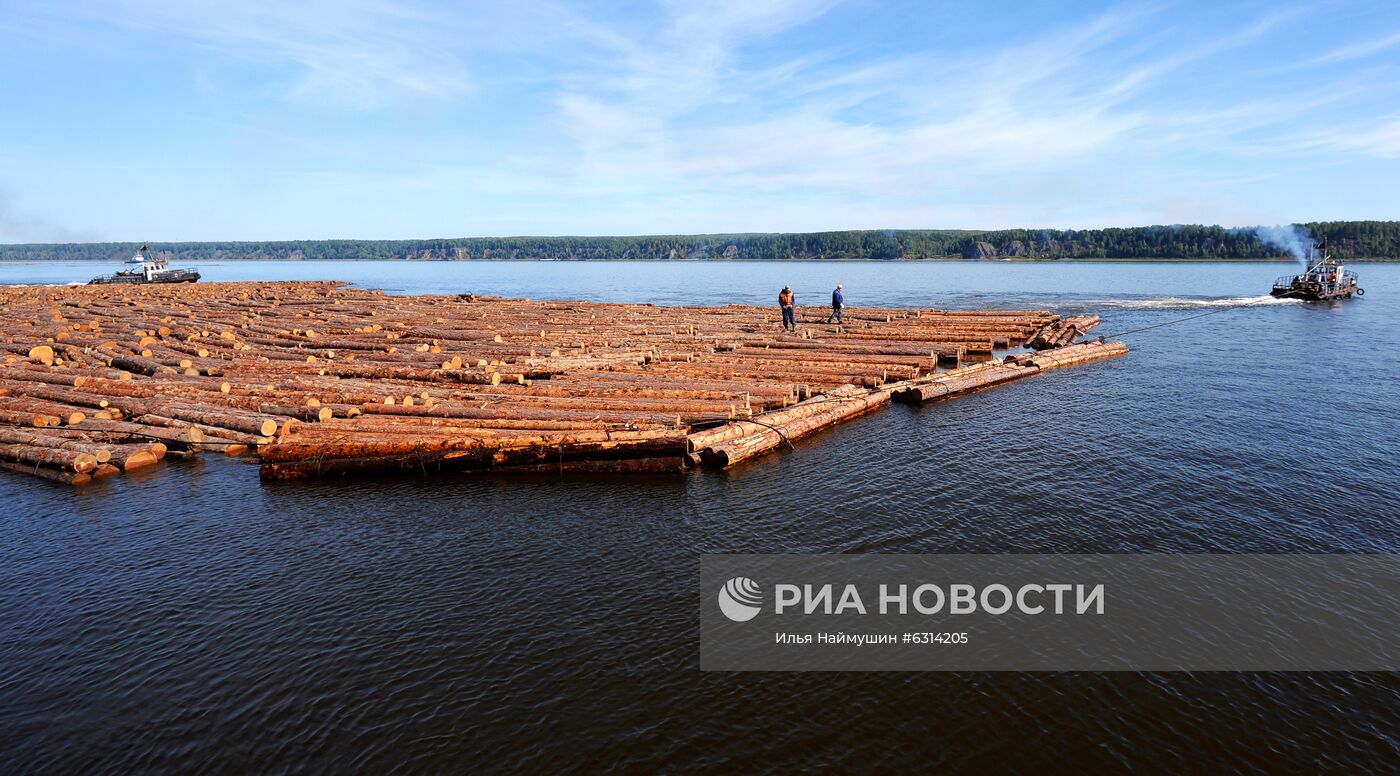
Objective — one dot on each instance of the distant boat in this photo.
(140, 257)
(1326, 280)
(148, 271)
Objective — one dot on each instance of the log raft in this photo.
(317, 379)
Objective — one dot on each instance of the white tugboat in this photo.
(148, 270)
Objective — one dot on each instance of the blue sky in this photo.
(188, 120)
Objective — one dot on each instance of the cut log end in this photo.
(42, 354)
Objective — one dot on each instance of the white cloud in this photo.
(1382, 141)
(1082, 119)
(1016, 111)
(1359, 50)
(355, 51)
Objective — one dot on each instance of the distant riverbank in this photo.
(1346, 240)
(835, 260)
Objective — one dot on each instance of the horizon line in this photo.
(697, 234)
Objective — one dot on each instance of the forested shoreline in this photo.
(1353, 240)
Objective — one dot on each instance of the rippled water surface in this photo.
(193, 617)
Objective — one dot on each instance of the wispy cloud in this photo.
(348, 50)
(1382, 141)
(1103, 101)
(1034, 107)
(1201, 50)
(1358, 50)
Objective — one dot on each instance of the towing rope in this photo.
(779, 431)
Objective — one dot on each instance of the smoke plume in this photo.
(20, 227)
(1293, 238)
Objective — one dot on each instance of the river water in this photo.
(192, 617)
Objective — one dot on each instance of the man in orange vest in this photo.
(785, 301)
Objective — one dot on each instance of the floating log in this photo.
(130, 457)
(47, 473)
(178, 437)
(211, 434)
(230, 420)
(70, 460)
(769, 436)
(1074, 354)
(1058, 334)
(67, 415)
(956, 383)
(814, 406)
(331, 445)
(20, 418)
(14, 436)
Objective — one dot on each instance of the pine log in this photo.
(71, 460)
(47, 473)
(212, 434)
(185, 437)
(1074, 354)
(67, 415)
(14, 436)
(729, 453)
(814, 406)
(35, 419)
(130, 457)
(933, 390)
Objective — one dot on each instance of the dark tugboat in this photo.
(149, 271)
(1323, 281)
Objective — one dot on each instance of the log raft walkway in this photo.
(317, 379)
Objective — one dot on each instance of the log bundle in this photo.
(962, 381)
(1071, 355)
(318, 379)
(1058, 334)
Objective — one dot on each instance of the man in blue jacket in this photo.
(838, 303)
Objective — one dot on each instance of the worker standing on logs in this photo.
(785, 302)
(838, 303)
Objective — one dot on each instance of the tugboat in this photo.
(149, 271)
(1323, 281)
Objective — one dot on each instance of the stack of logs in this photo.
(318, 379)
(1058, 334)
(1070, 355)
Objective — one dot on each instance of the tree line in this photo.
(1346, 240)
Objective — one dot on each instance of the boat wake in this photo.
(1187, 303)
